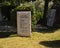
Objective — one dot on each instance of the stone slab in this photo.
(51, 17)
(24, 23)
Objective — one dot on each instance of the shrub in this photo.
(36, 15)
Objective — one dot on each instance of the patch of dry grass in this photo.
(29, 42)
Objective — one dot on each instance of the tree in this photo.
(44, 20)
(45, 11)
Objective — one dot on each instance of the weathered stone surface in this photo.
(51, 17)
(24, 23)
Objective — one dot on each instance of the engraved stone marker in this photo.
(51, 17)
(24, 23)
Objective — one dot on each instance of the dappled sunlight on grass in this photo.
(14, 41)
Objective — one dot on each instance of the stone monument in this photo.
(24, 23)
(51, 17)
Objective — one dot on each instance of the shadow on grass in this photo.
(52, 44)
(6, 34)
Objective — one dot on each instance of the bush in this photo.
(30, 7)
(19, 8)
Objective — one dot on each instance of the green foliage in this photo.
(23, 5)
(6, 3)
(12, 2)
(56, 1)
(35, 18)
(9, 2)
(36, 15)
(24, 8)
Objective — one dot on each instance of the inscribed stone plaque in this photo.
(24, 23)
(51, 17)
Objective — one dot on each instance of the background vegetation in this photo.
(36, 7)
(19, 5)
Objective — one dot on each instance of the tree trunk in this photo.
(45, 12)
(44, 20)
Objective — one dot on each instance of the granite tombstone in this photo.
(24, 23)
(51, 17)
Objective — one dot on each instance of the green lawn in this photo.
(14, 41)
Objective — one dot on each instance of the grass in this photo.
(14, 41)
